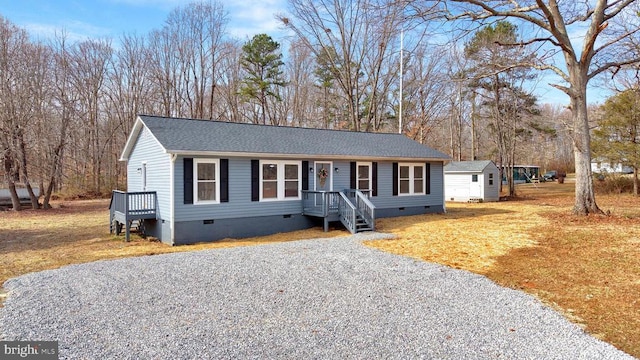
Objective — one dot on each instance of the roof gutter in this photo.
(299, 156)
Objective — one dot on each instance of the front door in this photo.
(322, 176)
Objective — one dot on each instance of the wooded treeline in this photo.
(67, 107)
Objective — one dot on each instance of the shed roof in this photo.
(467, 166)
(191, 136)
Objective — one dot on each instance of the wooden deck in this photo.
(126, 207)
(351, 207)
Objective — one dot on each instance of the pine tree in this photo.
(617, 138)
(262, 61)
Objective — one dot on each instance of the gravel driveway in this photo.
(314, 299)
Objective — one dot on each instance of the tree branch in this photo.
(612, 64)
(622, 5)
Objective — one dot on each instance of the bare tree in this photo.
(21, 73)
(301, 89)
(599, 50)
(341, 33)
(425, 93)
(91, 64)
(59, 115)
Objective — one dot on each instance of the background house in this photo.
(600, 165)
(212, 180)
(472, 181)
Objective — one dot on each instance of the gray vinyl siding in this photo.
(239, 205)
(148, 150)
(386, 199)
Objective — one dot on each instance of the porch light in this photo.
(336, 170)
(311, 170)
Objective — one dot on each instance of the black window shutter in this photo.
(354, 175)
(224, 180)
(394, 181)
(305, 175)
(374, 179)
(188, 180)
(427, 180)
(255, 180)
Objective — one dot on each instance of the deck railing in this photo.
(320, 203)
(360, 198)
(134, 203)
(125, 207)
(347, 206)
(348, 213)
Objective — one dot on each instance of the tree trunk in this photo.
(25, 175)
(635, 181)
(473, 126)
(585, 201)
(8, 175)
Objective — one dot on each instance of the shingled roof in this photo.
(467, 166)
(191, 136)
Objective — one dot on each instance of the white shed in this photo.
(471, 181)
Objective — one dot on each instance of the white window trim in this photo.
(195, 181)
(370, 165)
(412, 191)
(280, 179)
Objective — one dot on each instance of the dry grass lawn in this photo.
(586, 267)
(78, 232)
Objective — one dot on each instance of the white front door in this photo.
(322, 175)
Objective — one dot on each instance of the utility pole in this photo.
(401, 77)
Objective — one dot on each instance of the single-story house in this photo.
(471, 181)
(196, 180)
(600, 165)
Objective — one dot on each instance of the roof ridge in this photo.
(264, 125)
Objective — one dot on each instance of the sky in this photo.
(99, 19)
(82, 19)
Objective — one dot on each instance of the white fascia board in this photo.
(296, 156)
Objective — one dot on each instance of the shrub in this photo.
(613, 184)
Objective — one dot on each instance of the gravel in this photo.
(325, 298)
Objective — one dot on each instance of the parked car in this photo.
(550, 175)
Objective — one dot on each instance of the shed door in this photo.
(475, 189)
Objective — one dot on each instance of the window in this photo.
(280, 180)
(411, 179)
(206, 186)
(269, 181)
(490, 178)
(364, 176)
(474, 178)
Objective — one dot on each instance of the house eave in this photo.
(298, 156)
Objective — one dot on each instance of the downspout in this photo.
(172, 201)
(444, 197)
